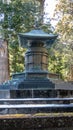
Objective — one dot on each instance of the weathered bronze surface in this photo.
(35, 77)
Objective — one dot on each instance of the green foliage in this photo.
(19, 16)
(63, 51)
(60, 60)
(64, 9)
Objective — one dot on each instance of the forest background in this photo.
(21, 16)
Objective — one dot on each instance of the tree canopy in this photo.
(64, 48)
(19, 16)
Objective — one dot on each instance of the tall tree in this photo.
(64, 11)
(19, 16)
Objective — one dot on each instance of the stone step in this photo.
(36, 101)
(35, 108)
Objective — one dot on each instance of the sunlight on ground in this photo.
(64, 114)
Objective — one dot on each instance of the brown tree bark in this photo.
(4, 61)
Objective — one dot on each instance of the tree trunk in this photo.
(4, 61)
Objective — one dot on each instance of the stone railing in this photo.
(35, 105)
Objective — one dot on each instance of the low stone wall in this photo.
(37, 123)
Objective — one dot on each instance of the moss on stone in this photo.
(70, 114)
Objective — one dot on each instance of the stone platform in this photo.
(51, 121)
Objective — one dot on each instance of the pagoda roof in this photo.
(36, 35)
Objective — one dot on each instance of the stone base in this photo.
(36, 83)
(28, 93)
(30, 123)
(28, 88)
(33, 93)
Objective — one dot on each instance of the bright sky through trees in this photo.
(50, 6)
(49, 9)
